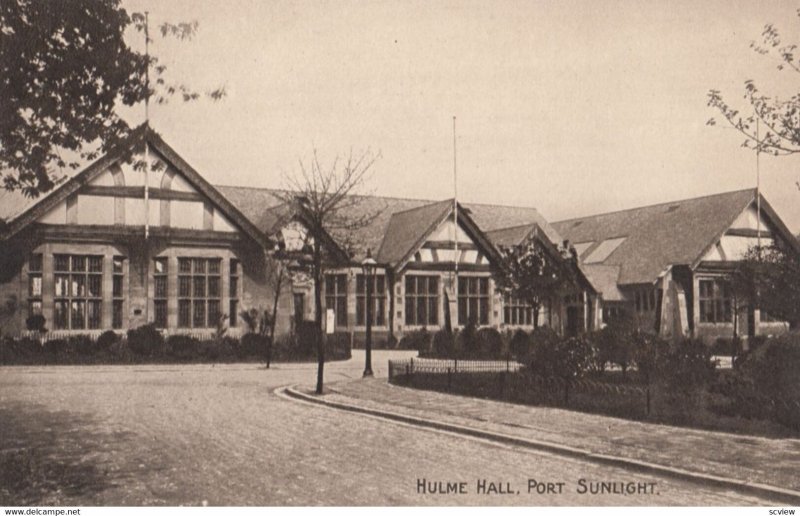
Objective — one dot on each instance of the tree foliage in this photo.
(65, 71)
(768, 278)
(532, 272)
(771, 124)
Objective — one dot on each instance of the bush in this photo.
(253, 345)
(183, 347)
(520, 346)
(146, 341)
(468, 338)
(337, 346)
(307, 338)
(561, 358)
(772, 368)
(544, 335)
(444, 344)
(106, 340)
(36, 322)
(490, 343)
(80, 345)
(419, 340)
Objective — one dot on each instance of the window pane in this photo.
(213, 286)
(78, 315)
(234, 266)
(116, 321)
(35, 286)
(184, 265)
(341, 283)
(34, 308)
(199, 314)
(78, 263)
(433, 285)
(61, 285)
(484, 282)
(94, 314)
(213, 266)
(35, 263)
(95, 264)
(60, 312)
(95, 285)
(233, 316)
(341, 311)
(199, 289)
(185, 286)
(160, 308)
(119, 263)
(117, 286)
(160, 266)
(234, 287)
(360, 315)
(411, 285)
(160, 286)
(184, 313)
(213, 313)
(61, 262)
(410, 313)
(433, 310)
(199, 266)
(78, 285)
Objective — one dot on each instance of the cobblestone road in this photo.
(184, 435)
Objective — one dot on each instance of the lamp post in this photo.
(368, 265)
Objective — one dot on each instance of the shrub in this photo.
(772, 368)
(444, 343)
(544, 335)
(490, 343)
(121, 352)
(337, 346)
(183, 347)
(106, 339)
(307, 337)
(419, 340)
(54, 346)
(520, 345)
(36, 322)
(253, 345)
(468, 337)
(685, 365)
(146, 341)
(562, 358)
(80, 345)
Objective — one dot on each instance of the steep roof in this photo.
(491, 217)
(643, 242)
(407, 230)
(29, 212)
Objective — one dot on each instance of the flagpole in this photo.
(147, 127)
(758, 185)
(455, 203)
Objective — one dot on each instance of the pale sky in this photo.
(573, 107)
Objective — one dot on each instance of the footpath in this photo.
(763, 466)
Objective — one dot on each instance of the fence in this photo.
(202, 335)
(450, 366)
(509, 381)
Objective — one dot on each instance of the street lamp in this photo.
(368, 265)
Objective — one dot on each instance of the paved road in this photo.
(185, 435)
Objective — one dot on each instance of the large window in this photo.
(473, 300)
(336, 296)
(422, 300)
(233, 285)
(645, 300)
(199, 289)
(117, 292)
(78, 292)
(715, 301)
(378, 300)
(517, 312)
(160, 296)
(35, 284)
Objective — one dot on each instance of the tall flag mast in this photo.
(758, 186)
(455, 212)
(146, 127)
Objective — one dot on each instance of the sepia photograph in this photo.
(399, 253)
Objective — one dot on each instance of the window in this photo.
(645, 300)
(473, 300)
(378, 299)
(160, 296)
(517, 312)
(612, 312)
(715, 301)
(117, 292)
(35, 284)
(78, 292)
(336, 296)
(422, 300)
(198, 292)
(233, 308)
(767, 317)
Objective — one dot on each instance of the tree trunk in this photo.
(318, 313)
(273, 320)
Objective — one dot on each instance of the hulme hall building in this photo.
(107, 250)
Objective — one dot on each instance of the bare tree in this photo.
(771, 124)
(325, 201)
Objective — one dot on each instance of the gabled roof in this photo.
(508, 237)
(408, 230)
(654, 238)
(139, 135)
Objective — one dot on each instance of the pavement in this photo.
(749, 464)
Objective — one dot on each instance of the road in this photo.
(219, 435)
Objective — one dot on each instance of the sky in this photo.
(572, 107)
